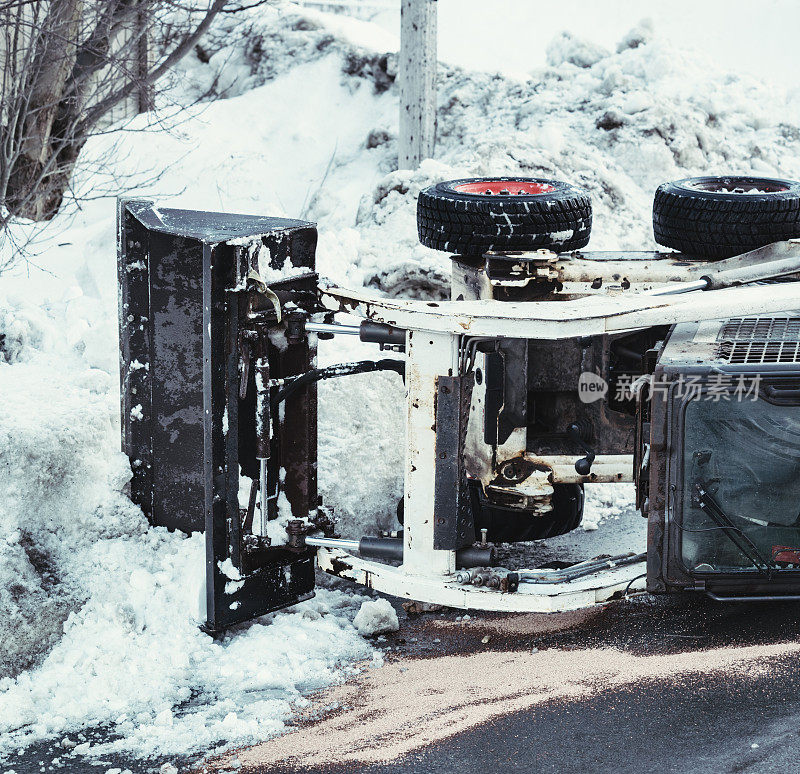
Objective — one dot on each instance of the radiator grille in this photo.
(755, 340)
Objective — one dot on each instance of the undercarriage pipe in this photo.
(580, 570)
(369, 331)
(392, 548)
(343, 544)
(347, 330)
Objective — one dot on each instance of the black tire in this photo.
(510, 525)
(716, 217)
(466, 222)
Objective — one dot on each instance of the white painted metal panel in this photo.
(531, 598)
(589, 316)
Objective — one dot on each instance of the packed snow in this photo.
(376, 616)
(99, 611)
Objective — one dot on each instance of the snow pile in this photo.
(605, 503)
(115, 605)
(59, 493)
(568, 48)
(361, 454)
(248, 49)
(376, 617)
(133, 660)
(619, 124)
(100, 610)
(108, 608)
(23, 327)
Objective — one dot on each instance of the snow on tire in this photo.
(718, 217)
(475, 215)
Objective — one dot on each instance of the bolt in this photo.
(484, 534)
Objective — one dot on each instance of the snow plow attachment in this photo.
(188, 413)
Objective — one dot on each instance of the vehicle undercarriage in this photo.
(546, 371)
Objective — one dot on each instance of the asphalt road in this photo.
(713, 726)
(718, 723)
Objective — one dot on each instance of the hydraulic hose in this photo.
(334, 371)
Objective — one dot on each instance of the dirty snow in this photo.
(99, 612)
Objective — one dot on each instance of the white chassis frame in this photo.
(436, 331)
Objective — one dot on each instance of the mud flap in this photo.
(181, 274)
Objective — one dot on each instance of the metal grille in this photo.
(754, 340)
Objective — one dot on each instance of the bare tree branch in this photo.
(180, 51)
(66, 67)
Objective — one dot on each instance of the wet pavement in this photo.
(707, 725)
(716, 722)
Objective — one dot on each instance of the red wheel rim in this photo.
(504, 188)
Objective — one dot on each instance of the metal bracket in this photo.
(453, 526)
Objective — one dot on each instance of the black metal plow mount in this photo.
(195, 324)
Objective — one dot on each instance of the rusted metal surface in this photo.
(528, 400)
(506, 374)
(429, 356)
(606, 469)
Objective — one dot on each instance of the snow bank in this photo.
(100, 612)
(133, 659)
(60, 482)
(109, 608)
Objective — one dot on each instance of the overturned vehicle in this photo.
(551, 367)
